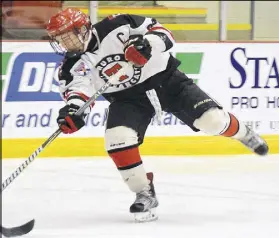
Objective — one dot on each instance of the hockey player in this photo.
(150, 85)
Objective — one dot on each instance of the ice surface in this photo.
(200, 197)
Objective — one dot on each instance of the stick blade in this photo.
(19, 230)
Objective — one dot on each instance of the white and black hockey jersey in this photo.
(81, 75)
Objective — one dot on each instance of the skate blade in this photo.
(147, 216)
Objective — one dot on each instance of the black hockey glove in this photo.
(138, 51)
(67, 121)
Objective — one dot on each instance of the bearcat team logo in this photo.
(111, 64)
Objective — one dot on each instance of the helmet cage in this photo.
(70, 41)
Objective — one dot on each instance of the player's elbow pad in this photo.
(159, 41)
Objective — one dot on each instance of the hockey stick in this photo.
(24, 229)
(18, 230)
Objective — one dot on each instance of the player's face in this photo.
(69, 41)
(74, 40)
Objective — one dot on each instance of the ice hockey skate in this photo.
(144, 207)
(254, 142)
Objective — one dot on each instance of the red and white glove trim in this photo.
(131, 54)
(71, 129)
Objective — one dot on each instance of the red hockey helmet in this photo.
(69, 30)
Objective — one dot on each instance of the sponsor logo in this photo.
(5, 57)
(202, 102)
(33, 77)
(82, 69)
(254, 71)
(191, 64)
(117, 144)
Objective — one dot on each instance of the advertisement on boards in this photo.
(243, 78)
